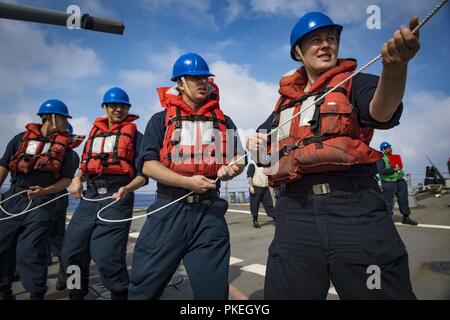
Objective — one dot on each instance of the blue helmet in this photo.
(190, 64)
(384, 145)
(54, 106)
(116, 95)
(69, 128)
(310, 22)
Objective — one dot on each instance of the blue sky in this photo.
(247, 46)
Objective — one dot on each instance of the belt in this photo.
(330, 186)
(194, 198)
(103, 189)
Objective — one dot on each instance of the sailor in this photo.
(392, 182)
(332, 221)
(109, 167)
(259, 189)
(41, 163)
(185, 148)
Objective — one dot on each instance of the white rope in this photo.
(96, 200)
(139, 216)
(15, 215)
(151, 212)
(14, 195)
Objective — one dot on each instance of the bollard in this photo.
(241, 196)
(412, 200)
(231, 197)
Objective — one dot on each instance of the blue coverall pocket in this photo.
(158, 225)
(216, 213)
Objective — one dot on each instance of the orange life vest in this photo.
(37, 152)
(110, 150)
(331, 139)
(195, 143)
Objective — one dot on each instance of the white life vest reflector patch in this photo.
(285, 129)
(46, 147)
(307, 111)
(108, 144)
(190, 130)
(32, 147)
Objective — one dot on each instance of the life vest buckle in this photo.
(102, 191)
(321, 189)
(193, 199)
(288, 148)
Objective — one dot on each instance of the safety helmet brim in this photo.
(116, 102)
(55, 112)
(192, 73)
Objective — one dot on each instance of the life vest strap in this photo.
(320, 92)
(197, 117)
(318, 140)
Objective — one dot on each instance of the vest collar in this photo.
(292, 84)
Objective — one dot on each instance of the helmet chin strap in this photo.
(53, 121)
(188, 91)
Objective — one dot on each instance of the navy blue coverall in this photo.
(262, 194)
(26, 237)
(337, 236)
(196, 233)
(59, 226)
(394, 188)
(106, 243)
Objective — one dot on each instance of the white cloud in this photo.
(195, 11)
(81, 125)
(344, 12)
(96, 8)
(163, 62)
(282, 52)
(424, 130)
(245, 99)
(141, 84)
(11, 125)
(294, 7)
(138, 79)
(233, 11)
(28, 60)
(221, 45)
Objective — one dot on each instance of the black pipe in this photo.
(26, 13)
